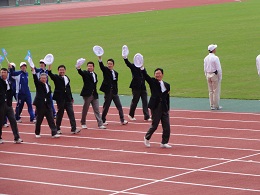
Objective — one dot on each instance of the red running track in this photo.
(213, 153)
(48, 13)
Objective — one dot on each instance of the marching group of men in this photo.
(159, 102)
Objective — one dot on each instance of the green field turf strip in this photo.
(175, 40)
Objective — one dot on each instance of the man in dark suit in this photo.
(109, 87)
(159, 104)
(12, 81)
(63, 97)
(6, 108)
(43, 103)
(40, 70)
(89, 94)
(138, 90)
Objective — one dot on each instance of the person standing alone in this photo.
(213, 73)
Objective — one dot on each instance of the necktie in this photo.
(163, 88)
(66, 80)
(7, 85)
(93, 75)
(47, 88)
(113, 74)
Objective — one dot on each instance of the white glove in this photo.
(125, 51)
(31, 62)
(80, 62)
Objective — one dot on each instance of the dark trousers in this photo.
(159, 115)
(5, 120)
(137, 93)
(21, 98)
(52, 106)
(95, 105)
(68, 106)
(8, 111)
(108, 99)
(47, 112)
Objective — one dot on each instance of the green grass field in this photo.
(175, 40)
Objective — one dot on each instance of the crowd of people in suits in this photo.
(15, 84)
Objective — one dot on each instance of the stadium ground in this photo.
(214, 152)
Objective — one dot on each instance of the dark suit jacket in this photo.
(156, 94)
(5, 96)
(89, 88)
(41, 96)
(3, 87)
(60, 92)
(108, 81)
(138, 81)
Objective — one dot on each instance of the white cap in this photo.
(212, 47)
(41, 60)
(23, 63)
(13, 64)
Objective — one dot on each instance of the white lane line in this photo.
(172, 125)
(93, 160)
(77, 172)
(156, 133)
(189, 172)
(133, 152)
(129, 164)
(191, 111)
(135, 178)
(63, 185)
(188, 118)
(134, 141)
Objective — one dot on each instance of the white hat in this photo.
(48, 59)
(138, 60)
(212, 47)
(23, 63)
(13, 64)
(41, 60)
(98, 50)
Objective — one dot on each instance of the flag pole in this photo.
(7, 60)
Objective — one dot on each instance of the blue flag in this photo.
(28, 55)
(4, 52)
(1, 59)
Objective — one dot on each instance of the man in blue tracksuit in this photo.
(23, 93)
(39, 71)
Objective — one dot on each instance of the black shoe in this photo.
(76, 131)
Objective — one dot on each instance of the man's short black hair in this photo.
(111, 60)
(61, 66)
(4, 69)
(90, 62)
(158, 69)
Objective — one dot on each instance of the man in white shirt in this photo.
(213, 73)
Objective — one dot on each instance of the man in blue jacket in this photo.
(23, 93)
